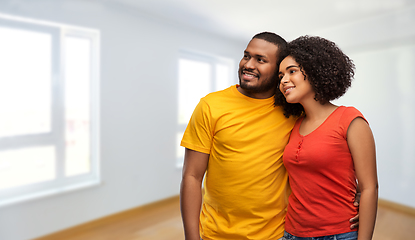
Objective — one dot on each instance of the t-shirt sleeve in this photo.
(349, 114)
(199, 132)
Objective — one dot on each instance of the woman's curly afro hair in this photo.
(329, 70)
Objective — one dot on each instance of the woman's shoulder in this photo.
(350, 110)
(348, 114)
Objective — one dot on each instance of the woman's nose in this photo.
(284, 79)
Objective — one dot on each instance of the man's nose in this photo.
(249, 64)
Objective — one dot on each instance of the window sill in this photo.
(47, 193)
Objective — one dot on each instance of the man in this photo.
(237, 137)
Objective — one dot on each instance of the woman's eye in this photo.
(292, 71)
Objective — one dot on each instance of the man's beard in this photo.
(265, 86)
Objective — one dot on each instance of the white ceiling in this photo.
(241, 19)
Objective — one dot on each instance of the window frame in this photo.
(213, 61)
(56, 136)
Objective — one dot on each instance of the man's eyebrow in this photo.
(257, 55)
(261, 56)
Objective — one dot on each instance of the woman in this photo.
(330, 146)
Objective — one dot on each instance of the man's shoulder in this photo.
(220, 95)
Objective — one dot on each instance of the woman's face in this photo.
(294, 84)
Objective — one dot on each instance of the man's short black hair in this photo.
(274, 39)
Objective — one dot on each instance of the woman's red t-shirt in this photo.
(322, 177)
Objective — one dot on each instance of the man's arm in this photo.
(195, 164)
(355, 220)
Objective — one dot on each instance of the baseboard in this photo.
(396, 207)
(107, 219)
(125, 214)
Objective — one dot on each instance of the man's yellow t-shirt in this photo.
(246, 184)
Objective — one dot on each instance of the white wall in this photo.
(138, 112)
(138, 106)
(383, 50)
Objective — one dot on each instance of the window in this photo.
(198, 76)
(48, 108)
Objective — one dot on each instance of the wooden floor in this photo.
(161, 221)
(394, 223)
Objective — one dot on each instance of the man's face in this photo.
(258, 67)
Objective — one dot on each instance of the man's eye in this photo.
(260, 60)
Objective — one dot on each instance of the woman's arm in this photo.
(362, 147)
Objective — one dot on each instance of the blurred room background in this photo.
(95, 95)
